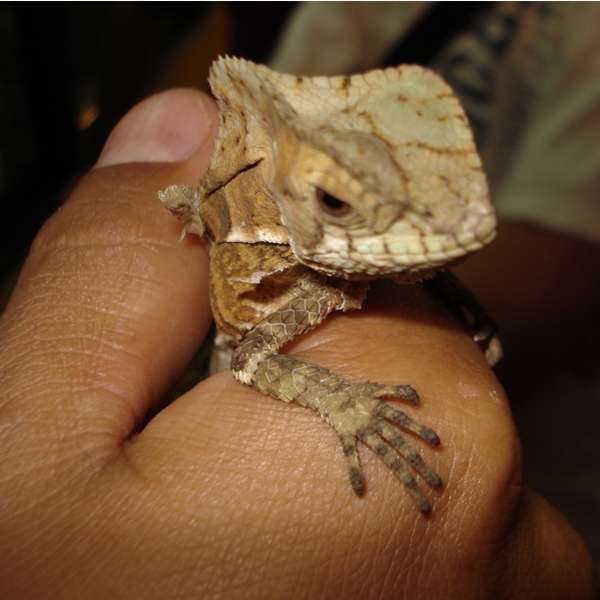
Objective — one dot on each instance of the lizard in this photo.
(316, 186)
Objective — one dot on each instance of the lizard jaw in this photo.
(393, 253)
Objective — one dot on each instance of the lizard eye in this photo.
(332, 205)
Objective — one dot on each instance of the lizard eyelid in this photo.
(332, 205)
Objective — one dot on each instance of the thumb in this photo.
(168, 127)
(110, 304)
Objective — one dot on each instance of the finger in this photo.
(543, 554)
(110, 304)
(169, 127)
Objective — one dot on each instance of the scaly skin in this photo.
(316, 186)
(355, 410)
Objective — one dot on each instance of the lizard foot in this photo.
(365, 417)
(358, 413)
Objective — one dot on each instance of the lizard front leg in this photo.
(357, 411)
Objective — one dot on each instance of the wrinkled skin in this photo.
(228, 493)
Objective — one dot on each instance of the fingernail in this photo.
(167, 127)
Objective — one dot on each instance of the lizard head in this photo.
(374, 175)
(353, 206)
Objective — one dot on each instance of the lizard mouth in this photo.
(392, 253)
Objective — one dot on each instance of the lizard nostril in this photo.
(334, 206)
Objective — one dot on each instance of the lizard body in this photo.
(316, 186)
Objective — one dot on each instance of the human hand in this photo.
(226, 492)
